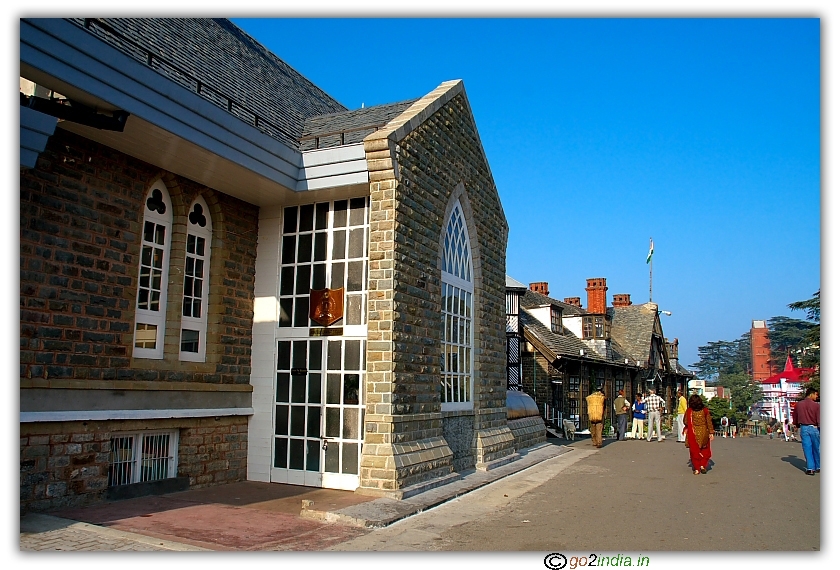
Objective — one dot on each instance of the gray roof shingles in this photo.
(228, 63)
(532, 299)
(632, 327)
(357, 124)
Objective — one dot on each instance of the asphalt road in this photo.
(632, 496)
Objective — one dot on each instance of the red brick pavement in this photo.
(238, 516)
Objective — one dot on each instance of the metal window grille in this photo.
(140, 457)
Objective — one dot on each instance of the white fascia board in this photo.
(333, 181)
(323, 156)
(63, 50)
(102, 415)
(332, 167)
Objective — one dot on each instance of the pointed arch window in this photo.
(153, 273)
(196, 283)
(456, 386)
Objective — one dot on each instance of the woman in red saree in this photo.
(700, 433)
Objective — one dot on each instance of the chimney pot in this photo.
(596, 295)
(540, 287)
(621, 300)
(572, 301)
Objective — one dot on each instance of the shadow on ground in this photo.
(797, 462)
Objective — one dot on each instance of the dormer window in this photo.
(596, 326)
(556, 320)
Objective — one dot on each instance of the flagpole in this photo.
(650, 291)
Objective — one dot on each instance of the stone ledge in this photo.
(27, 383)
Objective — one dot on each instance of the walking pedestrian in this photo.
(806, 416)
(724, 426)
(638, 418)
(596, 405)
(682, 406)
(621, 405)
(654, 405)
(699, 434)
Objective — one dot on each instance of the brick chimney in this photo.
(572, 301)
(540, 287)
(621, 300)
(596, 295)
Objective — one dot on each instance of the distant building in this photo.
(762, 363)
(781, 391)
(567, 350)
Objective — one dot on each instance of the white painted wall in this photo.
(266, 314)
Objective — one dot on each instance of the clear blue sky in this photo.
(601, 133)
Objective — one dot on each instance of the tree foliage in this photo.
(723, 357)
(743, 393)
(809, 349)
(786, 336)
(718, 407)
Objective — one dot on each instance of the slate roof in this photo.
(360, 123)
(566, 344)
(512, 283)
(680, 369)
(228, 63)
(632, 328)
(532, 299)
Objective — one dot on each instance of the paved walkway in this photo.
(257, 516)
(49, 533)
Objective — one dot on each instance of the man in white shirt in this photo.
(654, 406)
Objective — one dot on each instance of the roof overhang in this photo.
(174, 128)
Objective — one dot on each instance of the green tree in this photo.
(786, 335)
(810, 347)
(743, 393)
(718, 407)
(723, 357)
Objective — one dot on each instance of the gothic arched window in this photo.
(196, 283)
(156, 238)
(456, 386)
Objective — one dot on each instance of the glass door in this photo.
(319, 412)
(319, 400)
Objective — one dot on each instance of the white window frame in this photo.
(146, 316)
(138, 457)
(189, 322)
(457, 276)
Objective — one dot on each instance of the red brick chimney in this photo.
(540, 287)
(572, 301)
(596, 295)
(621, 300)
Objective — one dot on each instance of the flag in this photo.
(650, 253)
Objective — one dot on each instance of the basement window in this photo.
(142, 456)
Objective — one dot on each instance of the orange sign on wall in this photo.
(326, 306)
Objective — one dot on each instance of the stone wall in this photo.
(527, 432)
(419, 165)
(459, 433)
(81, 213)
(65, 464)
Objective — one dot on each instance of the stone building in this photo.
(228, 275)
(569, 351)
